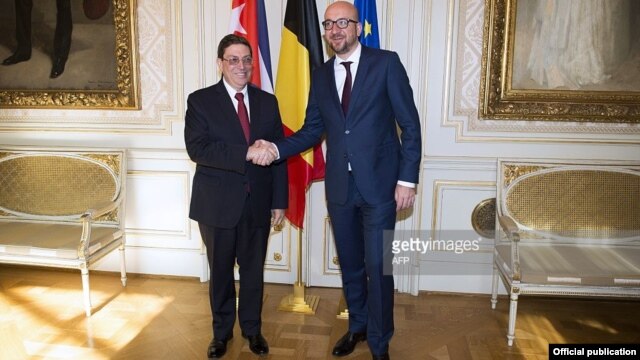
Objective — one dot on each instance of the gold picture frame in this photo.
(542, 95)
(123, 92)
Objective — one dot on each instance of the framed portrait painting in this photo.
(561, 60)
(76, 54)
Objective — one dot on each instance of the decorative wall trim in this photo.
(329, 267)
(284, 250)
(185, 230)
(439, 186)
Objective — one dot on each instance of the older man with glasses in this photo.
(233, 200)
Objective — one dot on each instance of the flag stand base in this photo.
(298, 302)
(343, 312)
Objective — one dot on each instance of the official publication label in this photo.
(594, 351)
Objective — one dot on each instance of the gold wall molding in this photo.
(283, 252)
(483, 218)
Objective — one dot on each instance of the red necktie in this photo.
(346, 90)
(243, 116)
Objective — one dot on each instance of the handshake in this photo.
(262, 153)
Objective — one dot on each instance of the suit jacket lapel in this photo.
(254, 110)
(358, 84)
(228, 110)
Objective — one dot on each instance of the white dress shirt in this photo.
(232, 93)
(340, 71)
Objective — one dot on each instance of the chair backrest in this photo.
(60, 185)
(571, 199)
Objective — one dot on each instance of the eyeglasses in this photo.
(233, 61)
(342, 23)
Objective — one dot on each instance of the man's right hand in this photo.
(262, 153)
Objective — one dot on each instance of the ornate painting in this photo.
(68, 54)
(561, 60)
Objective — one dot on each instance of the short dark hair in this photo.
(232, 39)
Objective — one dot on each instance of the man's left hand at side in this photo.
(405, 197)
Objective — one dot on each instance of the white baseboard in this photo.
(155, 261)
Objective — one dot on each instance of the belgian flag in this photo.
(300, 54)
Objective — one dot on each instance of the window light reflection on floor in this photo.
(50, 321)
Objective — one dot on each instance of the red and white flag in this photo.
(249, 20)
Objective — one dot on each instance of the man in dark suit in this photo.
(61, 39)
(233, 200)
(370, 173)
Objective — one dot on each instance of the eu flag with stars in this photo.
(369, 20)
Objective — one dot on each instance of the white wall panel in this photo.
(278, 253)
(452, 187)
(150, 214)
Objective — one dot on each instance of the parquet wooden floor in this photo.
(41, 316)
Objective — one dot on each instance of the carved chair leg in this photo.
(123, 269)
(85, 290)
(513, 309)
(494, 288)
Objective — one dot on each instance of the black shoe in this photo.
(58, 67)
(347, 343)
(257, 344)
(384, 356)
(217, 348)
(15, 58)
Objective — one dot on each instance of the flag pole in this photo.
(300, 40)
(298, 302)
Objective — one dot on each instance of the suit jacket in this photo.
(367, 137)
(216, 143)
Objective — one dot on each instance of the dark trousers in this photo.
(358, 232)
(64, 27)
(248, 245)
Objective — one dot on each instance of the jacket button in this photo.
(347, 132)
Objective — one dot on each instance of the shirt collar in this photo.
(355, 57)
(232, 92)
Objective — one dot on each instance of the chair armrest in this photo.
(510, 227)
(100, 209)
(513, 233)
(87, 219)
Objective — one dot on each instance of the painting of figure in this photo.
(586, 45)
(57, 45)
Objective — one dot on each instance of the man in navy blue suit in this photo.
(358, 98)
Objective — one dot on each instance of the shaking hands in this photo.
(262, 153)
